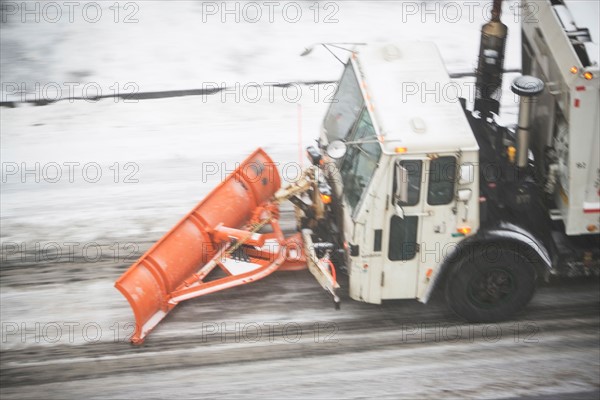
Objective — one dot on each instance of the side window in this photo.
(360, 162)
(414, 168)
(403, 238)
(442, 175)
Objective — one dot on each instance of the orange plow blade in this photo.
(223, 232)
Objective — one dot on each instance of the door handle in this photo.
(419, 214)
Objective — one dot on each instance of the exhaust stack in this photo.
(527, 88)
(490, 66)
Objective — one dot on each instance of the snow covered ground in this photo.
(185, 44)
(160, 145)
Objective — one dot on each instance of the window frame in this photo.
(356, 150)
(452, 181)
(335, 103)
(420, 181)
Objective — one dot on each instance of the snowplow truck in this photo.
(409, 193)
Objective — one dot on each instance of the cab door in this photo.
(417, 243)
(402, 234)
(444, 216)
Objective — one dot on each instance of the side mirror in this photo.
(399, 210)
(336, 149)
(401, 193)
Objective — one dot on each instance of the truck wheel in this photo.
(490, 286)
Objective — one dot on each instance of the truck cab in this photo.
(406, 188)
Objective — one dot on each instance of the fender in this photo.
(519, 239)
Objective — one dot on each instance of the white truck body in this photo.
(566, 118)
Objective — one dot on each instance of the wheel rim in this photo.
(492, 287)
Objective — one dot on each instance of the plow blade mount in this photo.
(224, 231)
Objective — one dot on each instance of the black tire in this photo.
(490, 284)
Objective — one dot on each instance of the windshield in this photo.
(358, 166)
(345, 106)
